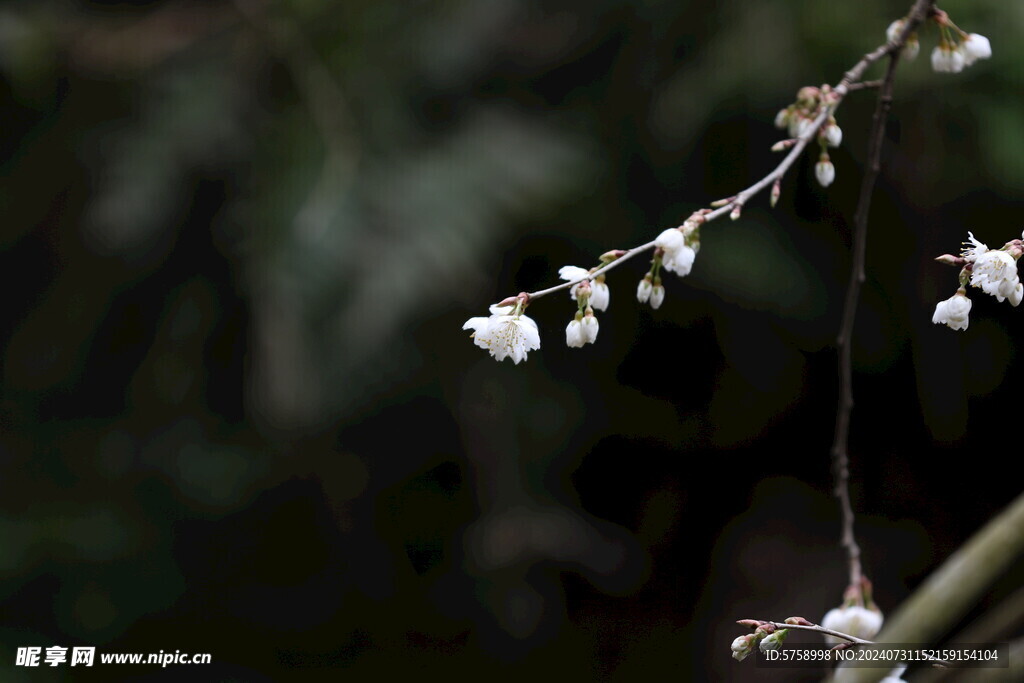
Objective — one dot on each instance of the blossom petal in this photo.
(600, 296)
(572, 273)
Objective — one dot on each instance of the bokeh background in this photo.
(239, 415)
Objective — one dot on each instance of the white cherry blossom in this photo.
(825, 172)
(572, 274)
(574, 335)
(670, 240)
(948, 59)
(833, 134)
(953, 312)
(679, 247)
(893, 32)
(974, 47)
(995, 272)
(911, 47)
(643, 291)
(600, 295)
(657, 296)
(680, 261)
(853, 620)
(505, 334)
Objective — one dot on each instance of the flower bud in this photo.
(975, 47)
(911, 48)
(824, 171)
(743, 646)
(600, 295)
(612, 255)
(947, 59)
(590, 327)
(657, 296)
(774, 641)
(808, 95)
(643, 290)
(574, 335)
(832, 134)
(893, 32)
(803, 127)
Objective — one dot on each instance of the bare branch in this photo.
(840, 444)
(849, 83)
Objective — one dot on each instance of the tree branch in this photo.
(850, 82)
(955, 587)
(840, 443)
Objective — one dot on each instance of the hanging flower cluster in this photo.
(582, 329)
(589, 294)
(956, 50)
(675, 250)
(993, 271)
(858, 616)
(799, 120)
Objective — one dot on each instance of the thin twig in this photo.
(864, 85)
(821, 629)
(846, 85)
(600, 271)
(780, 625)
(840, 444)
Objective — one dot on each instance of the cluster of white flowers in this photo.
(951, 57)
(766, 636)
(679, 248)
(993, 271)
(581, 330)
(955, 51)
(743, 645)
(650, 290)
(675, 251)
(799, 117)
(506, 333)
(589, 294)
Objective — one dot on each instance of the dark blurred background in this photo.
(239, 415)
